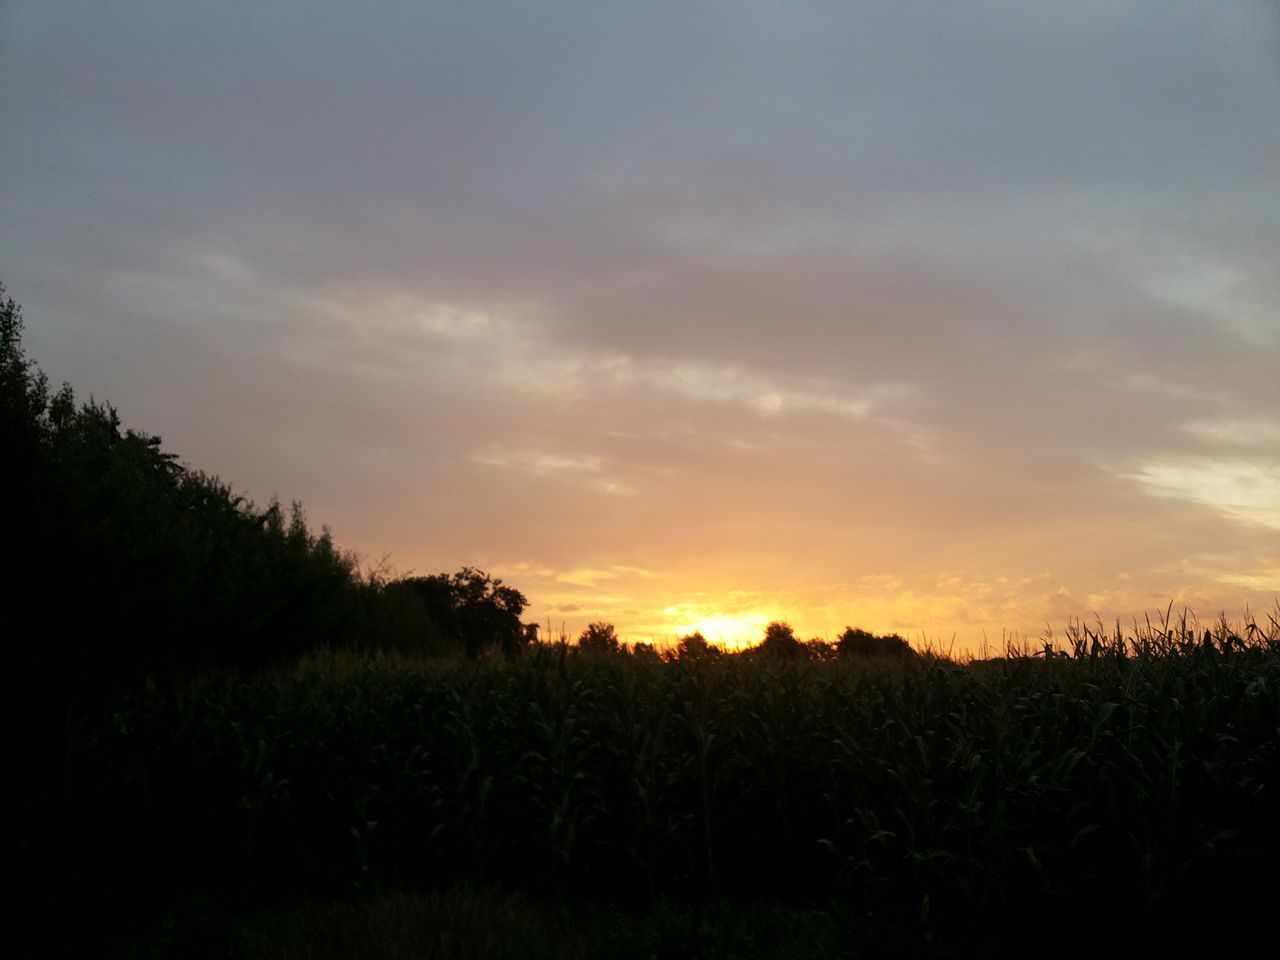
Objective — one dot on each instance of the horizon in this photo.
(945, 322)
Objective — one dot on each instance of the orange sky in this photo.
(946, 320)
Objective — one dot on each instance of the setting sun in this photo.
(731, 631)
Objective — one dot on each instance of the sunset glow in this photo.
(947, 321)
(732, 631)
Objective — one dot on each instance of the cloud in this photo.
(1263, 434)
(1243, 490)
(1233, 297)
(586, 471)
(586, 577)
(726, 384)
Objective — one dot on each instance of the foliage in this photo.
(819, 649)
(696, 647)
(942, 805)
(24, 390)
(645, 651)
(599, 638)
(476, 612)
(860, 643)
(780, 642)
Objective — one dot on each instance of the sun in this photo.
(729, 630)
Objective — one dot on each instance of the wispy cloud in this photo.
(583, 470)
(587, 577)
(1263, 434)
(765, 395)
(1244, 490)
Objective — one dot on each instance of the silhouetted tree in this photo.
(475, 611)
(860, 643)
(780, 641)
(694, 647)
(819, 649)
(24, 396)
(599, 638)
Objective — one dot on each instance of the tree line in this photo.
(779, 642)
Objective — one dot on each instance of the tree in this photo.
(24, 390)
(645, 651)
(476, 611)
(695, 647)
(780, 641)
(819, 650)
(599, 638)
(860, 643)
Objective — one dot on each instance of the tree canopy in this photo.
(473, 610)
(599, 637)
(859, 643)
(780, 641)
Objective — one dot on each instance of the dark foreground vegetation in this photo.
(227, 740)
(915, 806)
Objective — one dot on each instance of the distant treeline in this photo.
(778, 643)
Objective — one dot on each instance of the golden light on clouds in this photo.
(1244, 490)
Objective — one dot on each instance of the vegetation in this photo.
(227, 740)
(860, 643)
(599, 638)
(780, 642)
(472, 611)
(933, 806)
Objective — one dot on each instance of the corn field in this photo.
(945, 807)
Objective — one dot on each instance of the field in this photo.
(562, 803)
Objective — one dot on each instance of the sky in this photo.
(956, 320)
